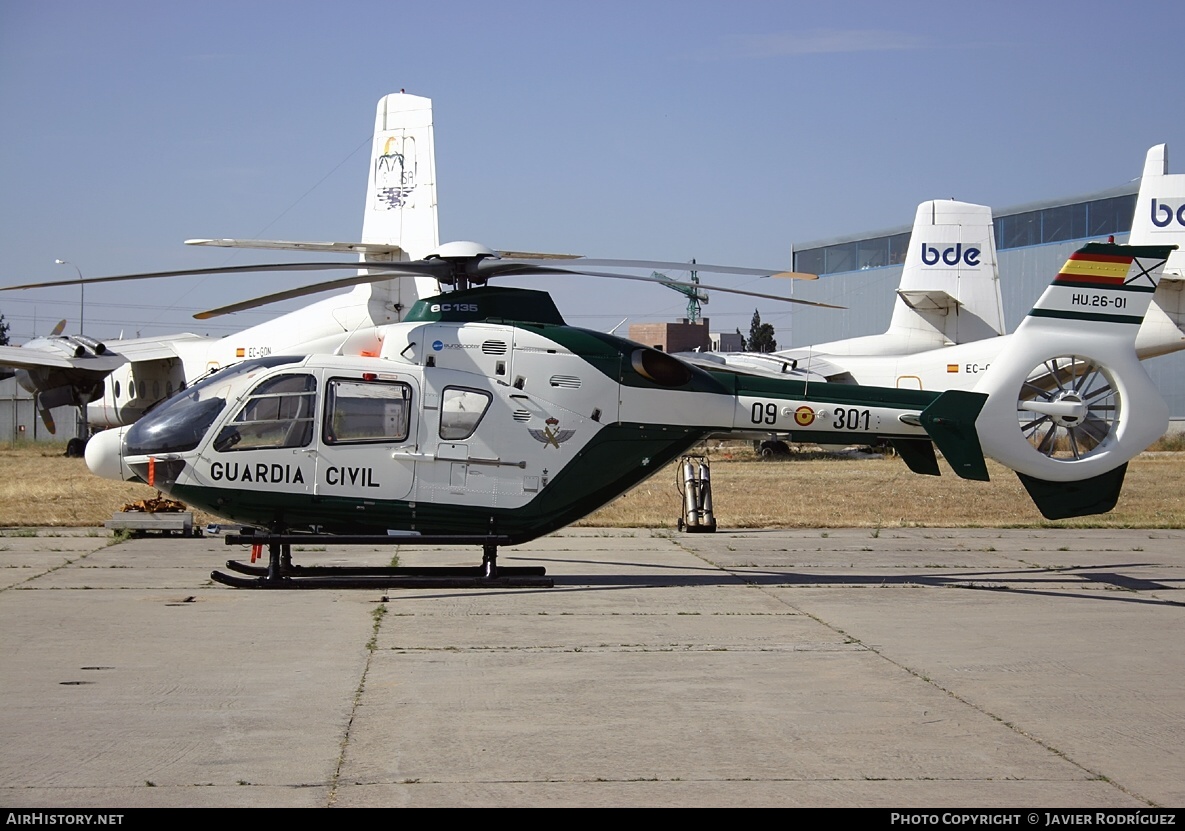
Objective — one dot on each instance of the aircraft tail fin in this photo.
(1160, 210)
(401, 189)
(1068, 399)
(1160, 220)
(950, 283)
(401, 198)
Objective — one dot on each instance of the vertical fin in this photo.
(1160, 220)
(401, 190)
(401, 198)
(950, 282)
(1064, 500)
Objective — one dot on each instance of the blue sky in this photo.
(727, 132)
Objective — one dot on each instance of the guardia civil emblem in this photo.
(551, 434)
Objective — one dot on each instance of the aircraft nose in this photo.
(104, 456)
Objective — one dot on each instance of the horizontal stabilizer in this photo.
(930, 301)
(1063, 500)
(918, 455)
(950, 422)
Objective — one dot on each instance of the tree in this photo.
(3, 331)
(761, 336)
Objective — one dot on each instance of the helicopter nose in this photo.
(104, 455)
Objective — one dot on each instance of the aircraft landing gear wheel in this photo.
(774, 449)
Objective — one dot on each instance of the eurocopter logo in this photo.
(550, 434)
(953, 256)
(1163, 215)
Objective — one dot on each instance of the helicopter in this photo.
(484, 419)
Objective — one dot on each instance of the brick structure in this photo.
(683, 336)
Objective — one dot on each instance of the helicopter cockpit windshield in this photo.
(180, 423)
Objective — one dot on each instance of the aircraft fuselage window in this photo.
(461, 411)
(366, 411)
(278, 413)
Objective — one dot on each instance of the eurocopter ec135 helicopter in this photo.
(484, 419)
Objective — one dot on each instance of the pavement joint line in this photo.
(50, 570)
(378, 614)
(850, 639)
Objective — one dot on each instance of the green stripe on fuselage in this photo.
(1058, 314)
(617, 458)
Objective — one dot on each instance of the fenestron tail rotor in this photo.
(1068, 407)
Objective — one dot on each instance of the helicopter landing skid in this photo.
(282, 573)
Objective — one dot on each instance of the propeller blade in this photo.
(47, 418)
(57, 330)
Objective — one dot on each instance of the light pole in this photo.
(81, 297)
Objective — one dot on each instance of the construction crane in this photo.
(695, 295)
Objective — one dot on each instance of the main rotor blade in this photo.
(664, 265)
(677, 284)
(439, 269)
(304, 291)
(233, 269)
(535, 255)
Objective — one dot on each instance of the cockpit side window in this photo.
(278, 413)
(366, 411)
(461, 411)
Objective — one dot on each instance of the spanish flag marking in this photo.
(240, 352)
(1101, 269)
(952, 367)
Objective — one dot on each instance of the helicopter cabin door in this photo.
(368, 433)
(463, 465)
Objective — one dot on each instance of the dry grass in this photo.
(882, 492)
(41, 487)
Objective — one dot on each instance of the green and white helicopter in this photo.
(483, 418)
